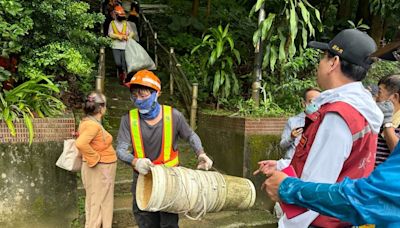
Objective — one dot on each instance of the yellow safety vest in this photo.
(115, 30)
(167, 156)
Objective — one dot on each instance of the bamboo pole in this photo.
(101, 72)
(155, 50)
(171, 74)
(193, 110)
(257, 72)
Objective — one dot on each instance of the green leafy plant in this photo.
(381, 69)
(286, 29)
(4, 75)
(221, 56)
(267, 108)
(15, 23)
(360, 25)
(33, 98)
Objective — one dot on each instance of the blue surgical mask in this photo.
(311, 108)
(148, 108)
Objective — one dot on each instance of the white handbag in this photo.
(70, 159)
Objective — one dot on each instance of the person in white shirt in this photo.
(340, 134)
(120, 32)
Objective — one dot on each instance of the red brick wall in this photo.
(45, 130)
(265, 126)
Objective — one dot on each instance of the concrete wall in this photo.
(237, 144)
(34, 192)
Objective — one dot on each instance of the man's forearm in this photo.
(122, 154)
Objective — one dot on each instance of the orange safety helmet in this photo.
(119, 10)
(145, 78)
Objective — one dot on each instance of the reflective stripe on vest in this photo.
(115, 30)
(136, 134)
(167, 133)
(167, 156)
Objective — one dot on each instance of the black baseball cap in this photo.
(351, 45)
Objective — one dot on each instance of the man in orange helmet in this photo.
(153, 131)
(120, 32)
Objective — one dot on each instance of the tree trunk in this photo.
(344, 10)
(376, 31)
(363, 12)
(208, 8)
(195, 8)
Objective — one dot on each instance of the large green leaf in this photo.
(196, 48)
(29, 126)
(213, 57)
(293, 23)
(304, 13)
(227, 85)
(220, 48)
(237, 55)
(256, 36)
(225, 33)
(273, 58)
(231, 43)
(216, 84)
(304, 36)
(259, 4)
(282, 51)
(11, 127)
(266, 56)
(222, 77)
(266, 25)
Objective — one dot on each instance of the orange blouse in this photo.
(93, 147)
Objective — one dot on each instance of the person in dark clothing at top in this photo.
(134, 14)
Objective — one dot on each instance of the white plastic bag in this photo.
(70, 159)
(137, 58)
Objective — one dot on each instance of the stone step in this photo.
(123, 218)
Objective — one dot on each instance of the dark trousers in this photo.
(146, 219)
(119, 58)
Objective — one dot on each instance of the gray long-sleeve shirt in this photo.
(152, 137)
(287, 143)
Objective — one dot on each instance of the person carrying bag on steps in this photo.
(120, 32)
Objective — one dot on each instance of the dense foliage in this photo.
(288, 66)
(56, 46)
(220, 60)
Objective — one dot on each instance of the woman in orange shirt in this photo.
(99, 163)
